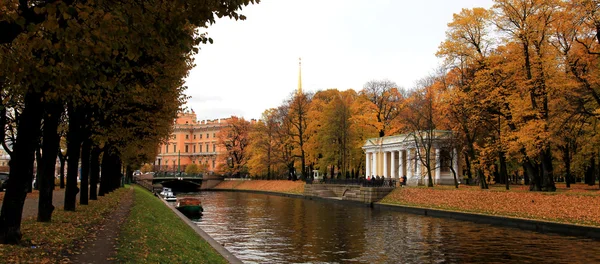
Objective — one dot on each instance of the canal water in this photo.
(259, 228)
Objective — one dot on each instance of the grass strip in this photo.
(154, 234)
(55, 241)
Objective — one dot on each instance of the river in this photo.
(260, 228)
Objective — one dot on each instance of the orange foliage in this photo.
(580, 204)
(264, 185)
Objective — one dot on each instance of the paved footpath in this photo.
(30, 208)
(103, 248)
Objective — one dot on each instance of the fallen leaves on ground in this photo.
(580, 204)
(54, 242)
(283, 186)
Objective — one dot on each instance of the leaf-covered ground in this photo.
(284, 186)
(580, 204)
(54, 242)
(154, 234)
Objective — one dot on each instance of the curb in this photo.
(520, 223)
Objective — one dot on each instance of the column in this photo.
(438, 167)
(409, 167)
(402, 163)
(367, 168)
(385, 163)
(455, 164)
(374, 166)
(394, 175)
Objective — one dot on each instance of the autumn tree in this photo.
(296, 109)
(234, 138)
(265, 146)
(387, 98)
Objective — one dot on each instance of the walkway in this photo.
(103, 248)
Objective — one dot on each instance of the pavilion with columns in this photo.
(403, 155)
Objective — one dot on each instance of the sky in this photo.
(253, 64)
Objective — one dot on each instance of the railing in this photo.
(163, 174)
(377, 182)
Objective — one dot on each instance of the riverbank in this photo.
(578, 205)
(154, 234)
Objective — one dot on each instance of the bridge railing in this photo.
(163, 174)
(377, 182)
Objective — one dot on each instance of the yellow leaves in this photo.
(577, 205)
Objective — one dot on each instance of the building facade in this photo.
(403, 156)
(192, 142)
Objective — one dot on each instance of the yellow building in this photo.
(192, 142)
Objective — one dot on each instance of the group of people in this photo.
(381, 178)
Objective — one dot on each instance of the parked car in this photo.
(3, 180)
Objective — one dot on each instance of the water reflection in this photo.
(271, 229)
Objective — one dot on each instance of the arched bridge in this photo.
(179, 182)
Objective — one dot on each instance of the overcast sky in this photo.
(253, 64)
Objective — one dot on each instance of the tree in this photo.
(234, 137)
(191, 169)
(420, 119)
(264, 145)
(387, 98)
(296, 123)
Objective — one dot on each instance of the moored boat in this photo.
(169, 196)
(189, 206)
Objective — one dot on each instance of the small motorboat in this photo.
(165, 190)
(189, 206)
(169, 196)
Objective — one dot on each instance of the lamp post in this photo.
(178, 162)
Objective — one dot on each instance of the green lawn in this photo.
(154, 234)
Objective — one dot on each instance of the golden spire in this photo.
(299, 76)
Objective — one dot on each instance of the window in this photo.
(194, 148)
(200, 136)
(187, 136)
(194, 136)
(193, 161)
(174, 148)
(167, 148)
(206, 147)
(200, 146)
(213, 164)
(207, 135)
(214, 148)
(174, 136)
(214, 135)
(186, 149)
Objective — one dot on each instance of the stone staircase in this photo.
(352, 195)
(324, 193)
